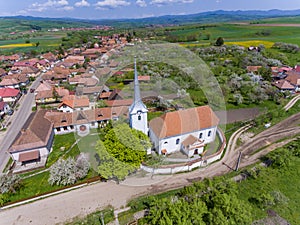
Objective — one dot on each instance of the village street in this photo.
(16, 122)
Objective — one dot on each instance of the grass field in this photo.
(242, 33)
(46, 40)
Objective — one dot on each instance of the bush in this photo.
(9, 183)
(66, 172)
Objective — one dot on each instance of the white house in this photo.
(82, 121)
(4, 108)
(33, 143)
(184, 130)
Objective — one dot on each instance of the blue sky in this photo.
(103, 9)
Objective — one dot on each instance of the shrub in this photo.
(66, 172)
(9, 183)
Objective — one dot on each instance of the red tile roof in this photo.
(74, 101)
(9, 92)
(183, 121)
(284, 85)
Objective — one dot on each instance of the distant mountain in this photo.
(205, 17)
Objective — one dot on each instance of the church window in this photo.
(177, 141)
(200, 135)
(139, 117)
(209, 133)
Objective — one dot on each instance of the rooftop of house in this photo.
(34, 134)
(283, 84)
(9, 92)
(183, 122)
(74, 101)
(61, 119)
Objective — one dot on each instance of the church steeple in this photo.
(137, 93)
(138, 111)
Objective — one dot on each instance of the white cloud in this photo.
(82, 3)
(141, 3)
(164, 2)
(50, 4)
(111, 4)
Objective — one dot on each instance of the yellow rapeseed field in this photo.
(267, 44)
(17, 45)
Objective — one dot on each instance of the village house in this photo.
(73, 103)
(82, 121)
(14, 81)
(4, 108)
(9, 95)
(34, 142)
(47, 93)
(283, 85)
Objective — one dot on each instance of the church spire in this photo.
(138, 111)
(137, 93)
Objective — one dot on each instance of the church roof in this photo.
(183, 122)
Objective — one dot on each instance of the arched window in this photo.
(165, 143)
(200, 135)
(177, 141)
(209, 133)
(139, 117)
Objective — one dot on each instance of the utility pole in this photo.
(238, 162)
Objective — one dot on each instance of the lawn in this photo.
(284, 180)
(29, 185)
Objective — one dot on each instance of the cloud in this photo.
(83, 3)
(50, 4)
(165, 2)
(141, 3)
(110, 4)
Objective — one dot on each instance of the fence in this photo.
(184, 167)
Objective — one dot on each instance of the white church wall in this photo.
(170, 144)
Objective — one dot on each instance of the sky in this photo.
(114, 9)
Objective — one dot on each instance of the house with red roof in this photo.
(10, 95)
(73, 103)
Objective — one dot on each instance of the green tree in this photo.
(266, 73)
(219, 41)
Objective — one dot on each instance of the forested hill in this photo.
(204, 17)
(207, 17)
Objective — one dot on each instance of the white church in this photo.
(186, 130)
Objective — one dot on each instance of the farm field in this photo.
(240, 33)
(46, 42)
